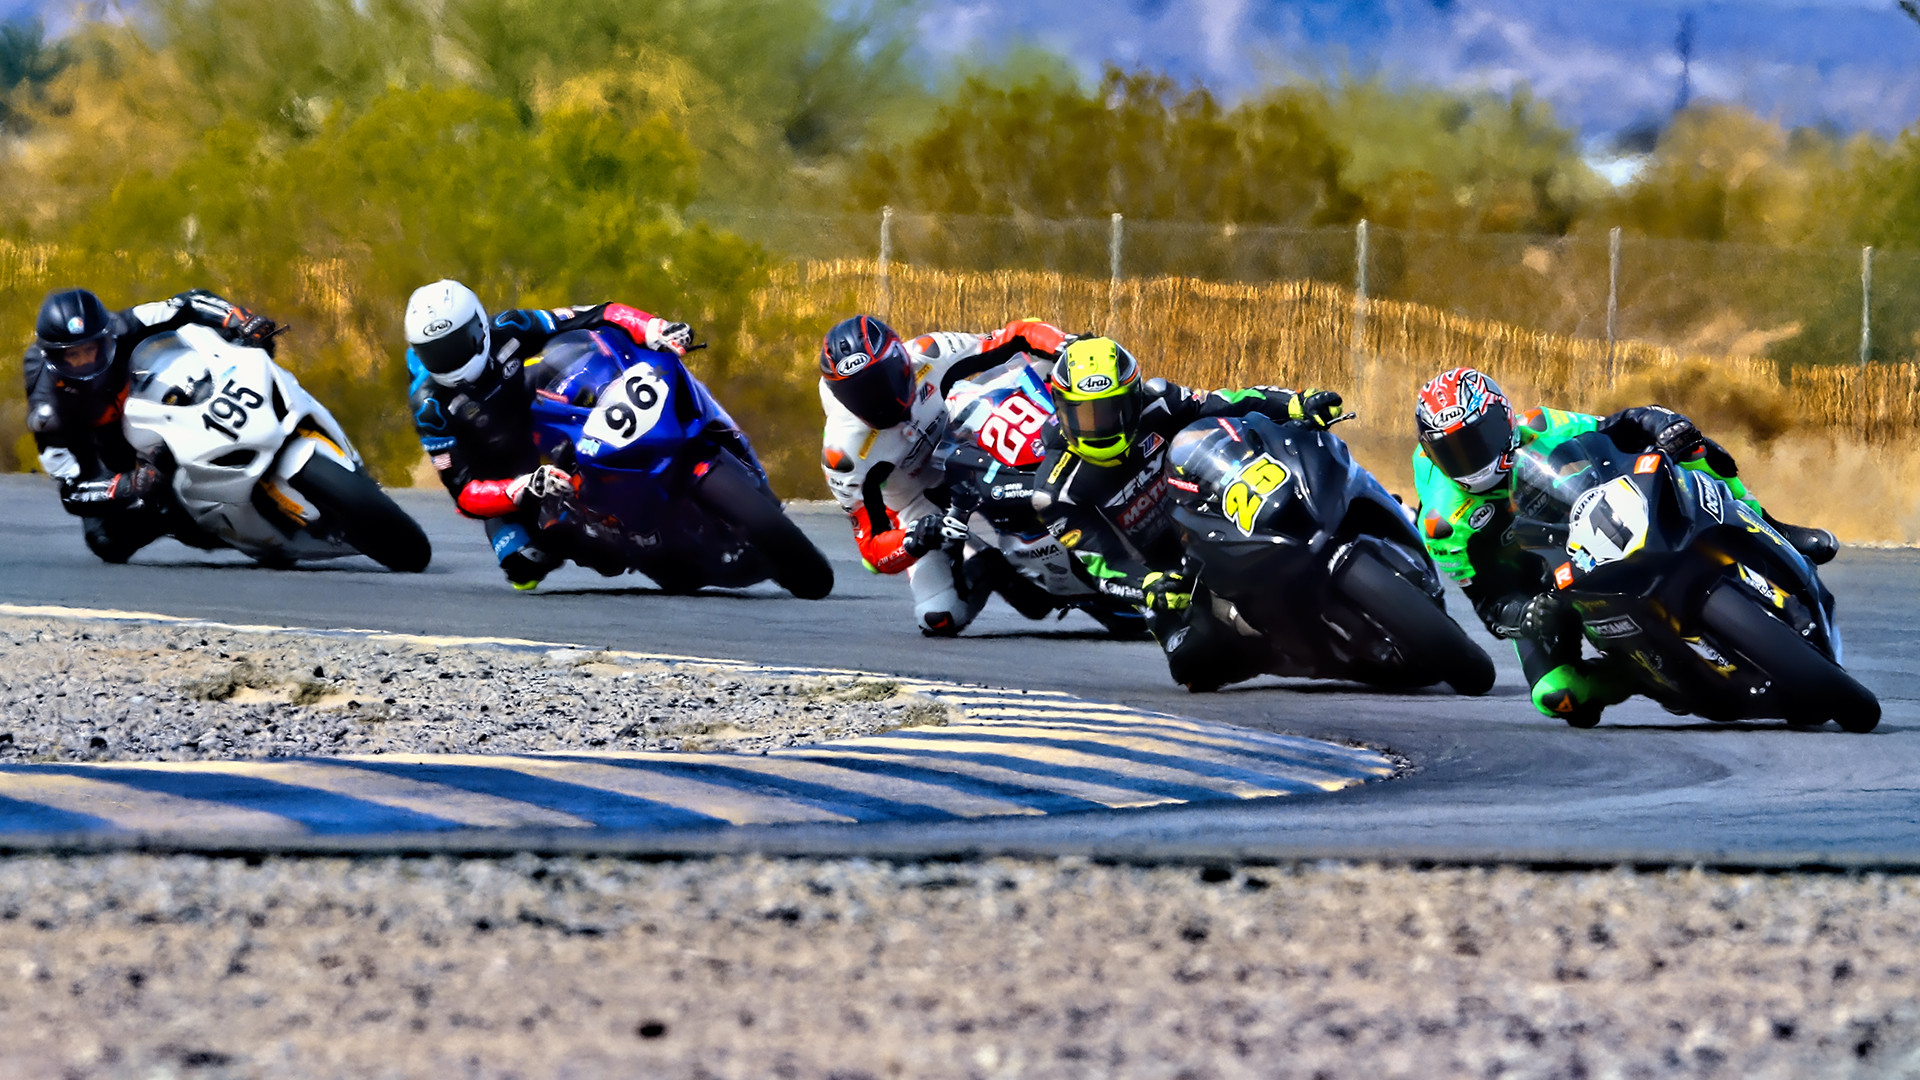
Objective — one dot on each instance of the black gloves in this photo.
(1679, 438)
(933, 531)
(253, 331)
(1543, 620)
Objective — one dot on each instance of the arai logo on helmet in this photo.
(437, 327)
(1094, 384)
(76, 324)
(1449, 416)
(850, 363)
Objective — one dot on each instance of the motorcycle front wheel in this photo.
(734, 495)
(366, 517)
(1812, 688)
(1431, 643)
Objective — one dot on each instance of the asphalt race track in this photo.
(1491, 778)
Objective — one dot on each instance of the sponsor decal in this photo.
(588, 447)
(1563, 575)
(1767, 590)
(1184, 485)
(1616, 627)
(1646, 463)
(851, 364)
(1143, 507)
(1711, 655)
(564, 313)
(1709, 495)
(1094, 384)
(866, 446)
(437, 327)
(442, 462)
(1174, 639)
(76, 324)
(1481, 516)
(1449, 416)
(1071, 538)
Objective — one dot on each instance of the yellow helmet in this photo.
(1096, 391)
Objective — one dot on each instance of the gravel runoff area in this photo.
(178, 966)
(94, 690)
(147, 966)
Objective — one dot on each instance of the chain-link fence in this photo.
(1797, 306)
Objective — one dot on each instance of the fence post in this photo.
(1359, 285)
(1613, 295)
(886, 254)
(1113, 270)
(1866, 304)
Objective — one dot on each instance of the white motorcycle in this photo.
(257, 462)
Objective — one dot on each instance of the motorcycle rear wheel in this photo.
(1430, 642)
(366, 517)
(730, 491)
(1813, 688)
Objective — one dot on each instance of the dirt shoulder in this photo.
(94, 690)
(145, 966)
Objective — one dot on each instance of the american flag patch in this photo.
(443, 462)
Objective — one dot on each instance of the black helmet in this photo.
(76, 336)
(865, 366)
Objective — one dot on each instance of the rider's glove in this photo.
(1321, 408)
(1679, 439)
(925, 535)
(1541, 621)
(542, 482)
(673, 337)
(1165, 592)
(253, 331)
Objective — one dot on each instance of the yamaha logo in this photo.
(1094, 384)
(851, 363)
(438, 326)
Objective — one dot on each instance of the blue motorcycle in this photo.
(668, 484)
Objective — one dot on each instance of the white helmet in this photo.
(448, 330)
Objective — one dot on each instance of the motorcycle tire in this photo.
(1431, 643)
(366, 517)
(736, 496)
(1812, 688)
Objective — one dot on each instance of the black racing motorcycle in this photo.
(1708, 609)
(1306, 566)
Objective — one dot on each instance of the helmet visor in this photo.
(1102, 424)
(880, 393)
(456, 355)
(80, 360)
(1473, 450)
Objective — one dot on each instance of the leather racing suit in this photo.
(480, 437)
(1470, 537)
(886, 479)
(124, 500)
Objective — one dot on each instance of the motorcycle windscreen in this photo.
(576, 367)
(167, 371)
(1547, 483)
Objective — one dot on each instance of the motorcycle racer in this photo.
(885, 404)
(1102, 492)
(77, 371)
(1469, 431)
(472, 386)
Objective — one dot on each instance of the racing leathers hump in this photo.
(1116, 517)
(885, 478)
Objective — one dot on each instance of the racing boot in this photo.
(529, 566)
(1817, 546)
(1578, 692)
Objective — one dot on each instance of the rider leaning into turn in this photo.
(77, 372)
(472, 407)
(886, 406)
(1462, 471)
(1101, 490)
